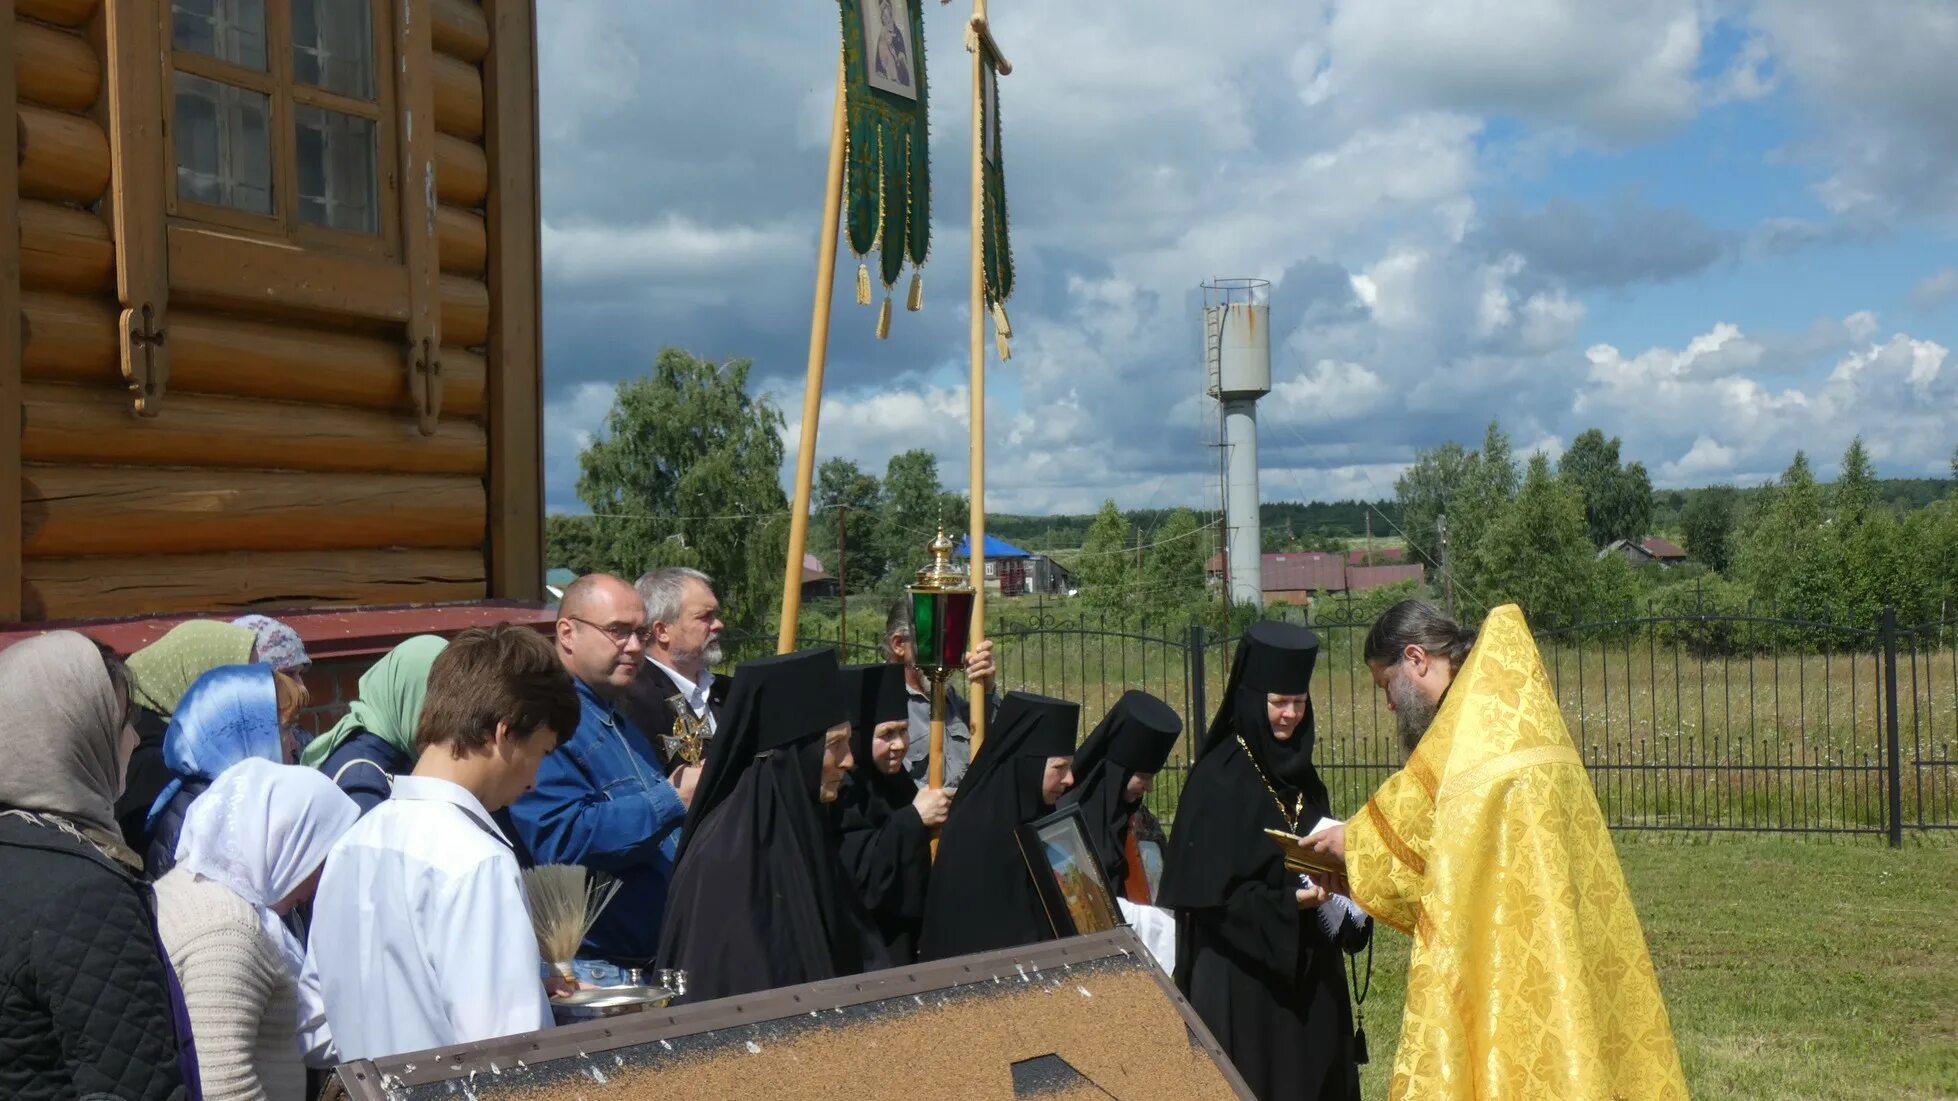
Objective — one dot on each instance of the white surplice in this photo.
(421, 936)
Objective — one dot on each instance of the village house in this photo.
(1297, 577)
(1650, 550)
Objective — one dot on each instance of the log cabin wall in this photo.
(225, 410)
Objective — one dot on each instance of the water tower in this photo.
(1237, 356)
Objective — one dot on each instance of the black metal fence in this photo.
(1717, 722)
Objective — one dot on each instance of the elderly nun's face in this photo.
(837, 760)
(1057, 779)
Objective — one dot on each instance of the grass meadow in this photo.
(1793, 969)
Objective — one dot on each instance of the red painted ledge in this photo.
(329, 633)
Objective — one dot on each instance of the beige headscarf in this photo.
(60, 733)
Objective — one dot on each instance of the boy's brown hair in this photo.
(490, 675)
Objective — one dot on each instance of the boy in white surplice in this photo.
(421, 936)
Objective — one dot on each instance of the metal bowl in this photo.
(595, 1002)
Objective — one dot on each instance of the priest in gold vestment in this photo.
(1529, 976)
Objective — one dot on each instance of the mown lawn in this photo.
(1793, 969)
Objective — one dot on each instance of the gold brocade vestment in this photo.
(1529, 976)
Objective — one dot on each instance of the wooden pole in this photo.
(976, 524)
(812, 387)
(935, 767)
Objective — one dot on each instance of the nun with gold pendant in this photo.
(1259, 961)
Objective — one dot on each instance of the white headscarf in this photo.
(262, 829)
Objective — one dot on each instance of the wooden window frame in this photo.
(276, 82)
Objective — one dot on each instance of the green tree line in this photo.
(686, 471)
(1793, 549)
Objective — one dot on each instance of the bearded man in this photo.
(1529, 977)
(683, 644)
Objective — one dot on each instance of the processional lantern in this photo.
(941, 623)
(941, 612)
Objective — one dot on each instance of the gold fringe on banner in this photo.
(915, 301)
(884, 319)
(999, 342)
(863, 284)
(1000, 323)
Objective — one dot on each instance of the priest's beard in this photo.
(1413, 710)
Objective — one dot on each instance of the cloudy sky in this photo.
(1721, 230)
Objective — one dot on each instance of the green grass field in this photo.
(1794, 970)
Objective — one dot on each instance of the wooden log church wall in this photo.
(285, 461)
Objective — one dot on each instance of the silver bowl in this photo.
(594, 1002)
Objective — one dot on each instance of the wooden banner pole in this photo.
(812, 387)
(935, 766)
(978, 41)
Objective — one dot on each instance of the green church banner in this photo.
(998, 267)
(887, 196)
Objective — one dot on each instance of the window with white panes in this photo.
(280, 117)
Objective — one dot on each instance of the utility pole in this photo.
(1369, 516)
(842, 575)
(1447, 571)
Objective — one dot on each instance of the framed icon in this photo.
(890, 57)
(1067, 874)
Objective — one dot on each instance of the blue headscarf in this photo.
(230, 714)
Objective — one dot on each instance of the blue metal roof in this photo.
(995, 548)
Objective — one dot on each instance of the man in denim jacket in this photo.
(602, 800)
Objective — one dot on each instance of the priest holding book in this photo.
(1529, 976)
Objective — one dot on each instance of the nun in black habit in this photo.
(881, 814)
(1113, 771)
(1253, 955)
(982, 897)
(759, 899)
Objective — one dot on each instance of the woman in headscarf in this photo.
(277, 644)
(759, 898)
(1114, 768)
(981, 895)
(160, 674)
(75, 917)
(1253, 954)
(232, 714)
(250, 852)
(884, 819)
(375, 741)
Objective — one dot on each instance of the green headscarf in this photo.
(160, 673)
(390, 703)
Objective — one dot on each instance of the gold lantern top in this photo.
(941, 574)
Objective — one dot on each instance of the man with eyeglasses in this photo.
(602, 800)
